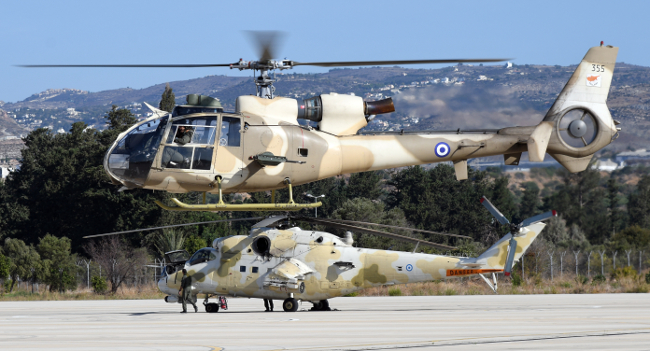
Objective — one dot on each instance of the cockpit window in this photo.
(203, 255)
(191, 142)
(132, 157)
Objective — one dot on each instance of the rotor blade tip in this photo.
(554, 213)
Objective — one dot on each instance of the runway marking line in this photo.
(476, 341)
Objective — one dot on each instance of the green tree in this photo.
(193, 243)
(365, 210)
(501, 197)
(529, 201)
(581, 201)
(57, 263)
(631, 237)
(434, 200)
(615, 216)
(5, 264)
(168, 240)
(24, 260)
(639, 203)
(62, 188)
(366, 185)
(168, 100)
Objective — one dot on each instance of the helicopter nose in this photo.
(130, 158)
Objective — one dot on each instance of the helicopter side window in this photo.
(191, 142)
(230, 132)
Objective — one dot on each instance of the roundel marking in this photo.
(409, 267)
(442, 149)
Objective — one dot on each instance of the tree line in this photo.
(61, 193)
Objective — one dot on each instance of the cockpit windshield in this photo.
(132, 156)
(203, 255)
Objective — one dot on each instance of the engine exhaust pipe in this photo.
(379, 107)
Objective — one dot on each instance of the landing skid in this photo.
(222, 206)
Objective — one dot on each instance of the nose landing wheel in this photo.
(290, 305)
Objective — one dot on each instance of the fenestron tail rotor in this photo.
(515, 229)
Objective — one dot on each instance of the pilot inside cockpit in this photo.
(179, 157)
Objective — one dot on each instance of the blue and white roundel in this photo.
(442, 149)
(409, 267)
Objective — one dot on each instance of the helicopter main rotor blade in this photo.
(398, 227)
(174, 226)
(493, 210)
(391, 62)
(139, 65)
(538, 218)
(378, 232)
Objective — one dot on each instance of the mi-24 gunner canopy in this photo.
(267, 48)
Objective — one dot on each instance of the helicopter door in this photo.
(189, 145)
(230, 148)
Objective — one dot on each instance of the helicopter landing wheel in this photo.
(212, 307)
(325, 305)
(290, 305)
(322, 305)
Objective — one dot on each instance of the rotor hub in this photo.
(578, 128)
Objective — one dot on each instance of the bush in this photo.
(99, 284)
(516, 279)
(581, 279)
(394, 292)
(647, 278)
(599, 279)
(625, 272)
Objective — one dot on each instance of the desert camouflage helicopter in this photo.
(280, 261)
(261, 146)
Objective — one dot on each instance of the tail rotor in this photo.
(516, 230)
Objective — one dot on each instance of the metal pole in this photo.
(602, 262)
(628, 257)
(589, 264)
(640, 253)
(576, 253)
(550, 255)
(614, 259)
(561, 263)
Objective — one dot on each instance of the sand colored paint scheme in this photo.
(303, 265)
(261, 146)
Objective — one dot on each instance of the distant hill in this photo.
(474, 96)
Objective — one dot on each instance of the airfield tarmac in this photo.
(501, 322)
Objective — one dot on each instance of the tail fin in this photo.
(579, 122)
(495, 257)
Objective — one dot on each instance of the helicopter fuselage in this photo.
(234, 147)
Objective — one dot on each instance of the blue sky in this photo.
(138, 31)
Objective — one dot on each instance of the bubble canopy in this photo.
(130, 158)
